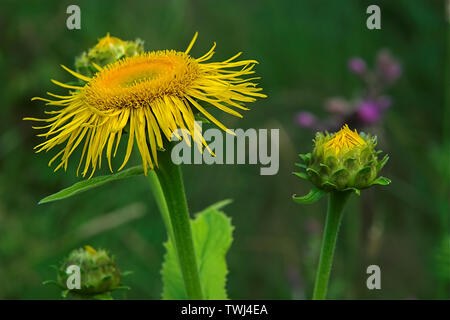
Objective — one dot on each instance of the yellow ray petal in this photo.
(76, 74)
(191, 44)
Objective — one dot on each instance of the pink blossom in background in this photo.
(306, 119)
(364, 110)
(357, 65)
(368, 112)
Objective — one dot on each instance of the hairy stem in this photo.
(336, 203)
(179, 228)
(158, 194)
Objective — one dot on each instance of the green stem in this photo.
(172, 187)
(336, 203)
(158, 194)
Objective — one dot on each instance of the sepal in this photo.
(313, 195)
(382, 181)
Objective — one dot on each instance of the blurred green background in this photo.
(303, 48)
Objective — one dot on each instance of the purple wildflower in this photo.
(306, 119)
(357, 65)
(388, 68)
(368, 112)
(368, 107)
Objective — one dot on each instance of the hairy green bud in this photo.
(107, 50)
(98, 272)
(341, 161)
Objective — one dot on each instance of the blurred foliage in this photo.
(302, 47)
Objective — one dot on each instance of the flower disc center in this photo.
(138, 81)
(133, 74)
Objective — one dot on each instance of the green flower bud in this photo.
(343, 161)
(98, 272)
(107, 50)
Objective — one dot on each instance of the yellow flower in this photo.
(155, 93)
(342, 141)
(342, 161)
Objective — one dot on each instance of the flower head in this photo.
(99, 273)
(368, 112)
(149, 96)
(345, 160)
(357, 65)
(388, 68)
(342, 142)
(306, 119)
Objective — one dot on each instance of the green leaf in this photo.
(362, 177)
(357, 191)
(313, 195)
(382, 163)
(126, 273)
(383, 181)
(301, 165)
(314, 176)
(324, 169)
(85, 185)
(329, 186)
(301, 175)
(53, 282)
(340, 177)
(331, 162)
(350, 163)
(212, 235)
(102, 296)
(305, 157)
(216, 206)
